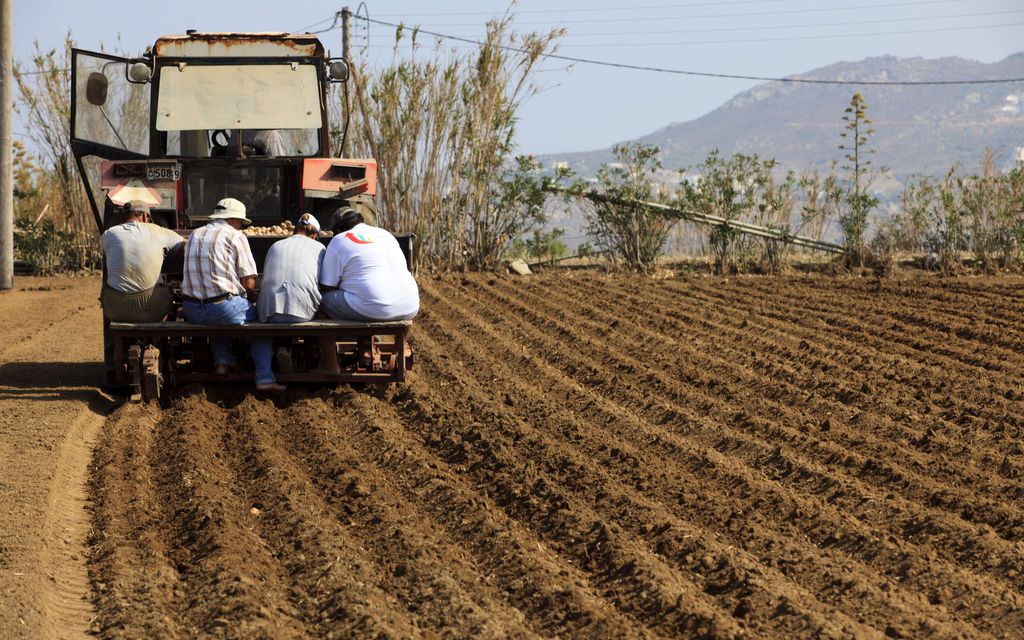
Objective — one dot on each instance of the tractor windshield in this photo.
(279, 103)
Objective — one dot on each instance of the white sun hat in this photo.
(310, 219)
(229, 208)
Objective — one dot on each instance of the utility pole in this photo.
(346, 14)
(6, 149)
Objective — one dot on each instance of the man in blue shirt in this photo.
(290, 292)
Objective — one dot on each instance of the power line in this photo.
(620, 8)
(620, 19)
(703, 74)
(791, 26)
(303, 29)
(794, 38)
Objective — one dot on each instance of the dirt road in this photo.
(50, 418)
(586, 456)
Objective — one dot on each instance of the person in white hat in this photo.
(290, 290)
(219, 275)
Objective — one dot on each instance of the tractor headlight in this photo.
(139, 72)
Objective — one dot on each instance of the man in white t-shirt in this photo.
(364, 273)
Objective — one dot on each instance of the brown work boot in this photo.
(273, 387)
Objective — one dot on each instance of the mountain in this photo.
(919, 129)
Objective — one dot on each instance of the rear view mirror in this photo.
(337, 70)
(96, 89)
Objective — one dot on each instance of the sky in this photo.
(583, 106)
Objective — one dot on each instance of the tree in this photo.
(859, 176)
(441, 126)
(727, 188)
(44, 102)
(516, 208)
(618, 222)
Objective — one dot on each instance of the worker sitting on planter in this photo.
(219, 275)
(133, 256)
(134, 253)
(289, 292)
(364, 275)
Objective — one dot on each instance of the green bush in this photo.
(622, 227)
(542, 246)
(51, 250)
(731, 189)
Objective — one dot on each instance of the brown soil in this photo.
(50, 418)
(589, 456)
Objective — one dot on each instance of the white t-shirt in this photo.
(368, 265)
(134, 253)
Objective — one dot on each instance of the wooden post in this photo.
(346, 106)
(6, 149)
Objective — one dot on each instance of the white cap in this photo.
(230, 208)
(310, 220)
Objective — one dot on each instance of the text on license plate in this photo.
(163, 172)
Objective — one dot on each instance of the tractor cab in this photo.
(204, 116)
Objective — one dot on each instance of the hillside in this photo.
(919, 129)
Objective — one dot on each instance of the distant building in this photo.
(1012, 105)
(1020, 157)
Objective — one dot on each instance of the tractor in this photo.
(201, 117)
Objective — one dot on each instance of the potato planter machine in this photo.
(151, 355)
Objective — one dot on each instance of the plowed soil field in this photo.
(583, 455)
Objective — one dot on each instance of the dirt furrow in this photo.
(130, 565)
(576, 509)
(934, 392)
(798, 366)
(414, 561)
(748, 393)
(236, 584)
(853, 400)
(421, 455)
(613, 455)
(578, 455)
(335, 583)
(916, 341)
(769, 459)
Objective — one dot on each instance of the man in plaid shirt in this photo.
(219, 273)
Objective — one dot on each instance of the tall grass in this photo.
(440, 125)
(44, 102)
(980, 215)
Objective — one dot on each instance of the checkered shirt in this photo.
(217, 257)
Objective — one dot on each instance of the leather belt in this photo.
(223, 296)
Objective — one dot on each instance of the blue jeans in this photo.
(234, 310)
(338, 308)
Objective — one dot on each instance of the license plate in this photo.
(163, 172)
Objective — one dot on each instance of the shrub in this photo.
(48, 249)
(728, 189)
(995, 213)
(542, 246)
(621, 226)
(43, 101)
